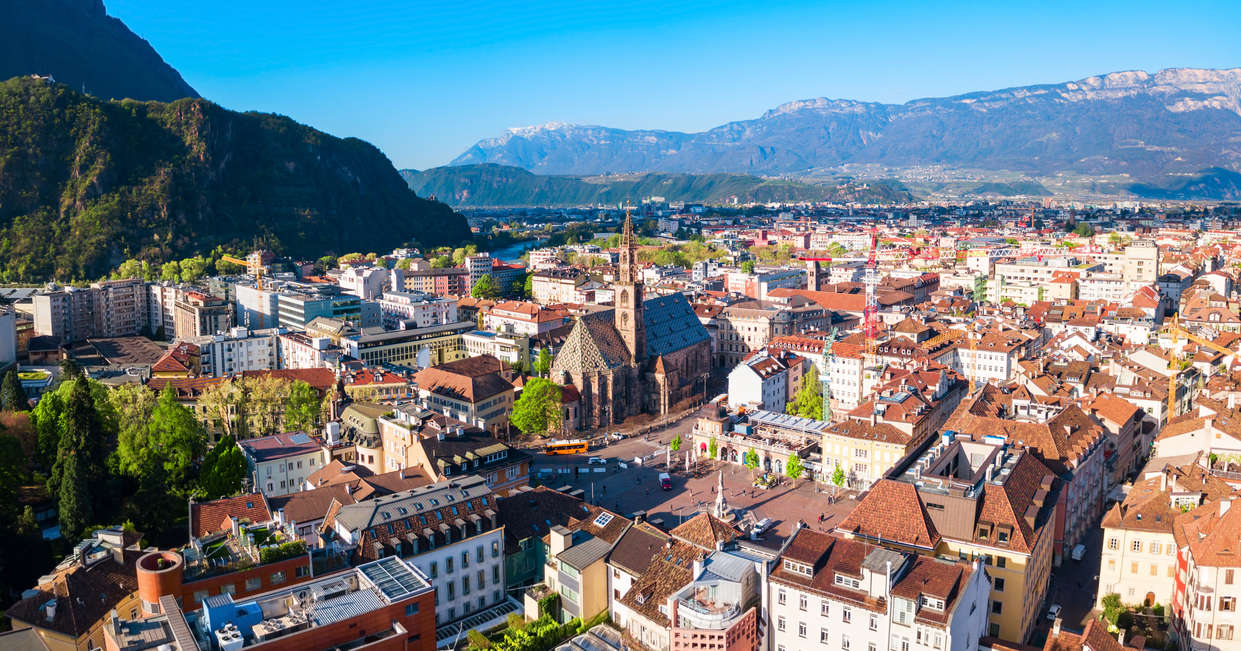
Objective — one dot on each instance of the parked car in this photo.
(665, 481)
(617, 436)
(1053, 612)
(761, 526)
(1078, 552)
(596, 461)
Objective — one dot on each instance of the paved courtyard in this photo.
(628, 487)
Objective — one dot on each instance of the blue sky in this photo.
(423, 80)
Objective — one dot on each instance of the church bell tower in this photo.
(628, 301)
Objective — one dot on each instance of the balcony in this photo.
(702, 608)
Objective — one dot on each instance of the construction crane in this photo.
(256, 269)
(1177, 333)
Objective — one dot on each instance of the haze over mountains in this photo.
(1136, 123)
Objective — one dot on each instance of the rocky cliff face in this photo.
(1176, 120)
(87, 183)
(77, 43)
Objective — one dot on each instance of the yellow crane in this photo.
(256, 269)
(1177, 333)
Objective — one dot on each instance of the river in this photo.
(512, 252)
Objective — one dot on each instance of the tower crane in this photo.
(255, 269)
(1177, 333)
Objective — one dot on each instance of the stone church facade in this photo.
(643, 356)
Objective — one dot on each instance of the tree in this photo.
(267, 398)
(441, 262)
(485, 287)
(1112, 608)
(226, 405)
(543, 363)
(301, 407)
(675, 443)
(747, 267)
(158, 451)
(838, 477)
(405, 263)
(713, 448)
(750, 459)
(793, 467)
(69, 369)
(527, 285)
(79, 472)
(328, 262)
(538, 408)
(225, 268)
(808, 401)
(223, 470)
(170, 271)
(12, 395)
(193, 268)
(1084, 230)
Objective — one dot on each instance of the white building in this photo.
(279, 464)
(162, 299)
(832, 593)
(399, 309)
(766, 380)
(298, 350)
(508, 348)
(369, 283)
(448, 530)
(239, 350)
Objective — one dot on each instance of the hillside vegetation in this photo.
(500, 185)
(86, 184)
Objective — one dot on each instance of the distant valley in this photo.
(501, 186)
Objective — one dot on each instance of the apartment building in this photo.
(971, 500)
(523, 318)
(369, 283)
(196, 314)
(448, 530)
(114, 308)
(298, 350)
(720, 607)
(475, 390)
(760, 284)
(162, 298)
(452, 281)
(576, 566)
(553, 286)
(407, 310)
(827, 591)
(1139, 557)
(1208, 578)
(237, 351)
(510, 349)
(279, 464)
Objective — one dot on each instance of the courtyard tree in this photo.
(838, 480)
(808, 401)
(793, 467)
(750, 460)
(538, 409)
(747, 267)
(675, 443)
(543, 363)
(713, 448)
(301, 407)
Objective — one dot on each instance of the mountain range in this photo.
(87, 183)
(502, 186)
(1137, 123)
(78, 44)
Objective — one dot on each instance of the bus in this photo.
(566, 447)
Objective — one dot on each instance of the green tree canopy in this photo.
(713, 448)
(527, 286)
(301, 407)
(675, 443)
(158, 441)
(793, 467)
(12, 395)
(441, 262)
(538, 408)
(808, 401)
(223, 470)
(747, 267)
(838, 477)
(1083, 229)
(193, 269)
(750, 459)
(80, 470)
(543, 363)
(486, 287)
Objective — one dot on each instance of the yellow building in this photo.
(576, 565)
(963, 499)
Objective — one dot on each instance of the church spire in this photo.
(628, 251)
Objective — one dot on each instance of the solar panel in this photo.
(300, 438)
(391, 577)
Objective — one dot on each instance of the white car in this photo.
(1078, 552)
(596, 461)
(1053, 612)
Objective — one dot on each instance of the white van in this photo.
(1079, 551)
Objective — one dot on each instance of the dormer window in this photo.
(934, 603)
(798, 568)
(848, 581)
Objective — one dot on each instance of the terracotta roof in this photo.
(83, 596)
(532, 514)
(212, 517)
(473, 379)
(892, 511)
(705, 530)
(1094, 637)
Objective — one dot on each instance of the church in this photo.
(642, 356)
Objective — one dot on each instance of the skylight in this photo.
(603, 519)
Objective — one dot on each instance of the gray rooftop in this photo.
(582, 555)
(403, 504)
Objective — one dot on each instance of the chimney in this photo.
(49, 610)
(1055, 628)
(560, 538)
